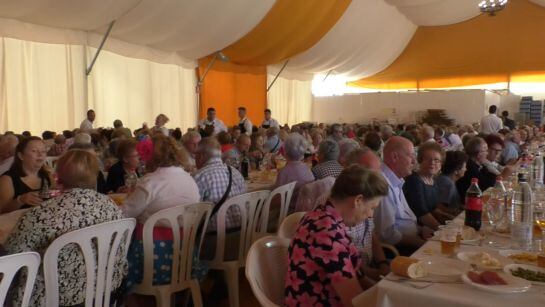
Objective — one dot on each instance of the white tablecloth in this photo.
(395, 294)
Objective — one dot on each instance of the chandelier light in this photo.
(492, 6)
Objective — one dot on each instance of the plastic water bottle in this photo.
(521, 215)
(537, 170)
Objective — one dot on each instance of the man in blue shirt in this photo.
(395, 222)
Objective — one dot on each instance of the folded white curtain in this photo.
(290, 100)
(44, 87)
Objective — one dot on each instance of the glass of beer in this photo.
(448, 240)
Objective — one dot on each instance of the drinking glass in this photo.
(495, 211)
(448, 241)
(539, 218)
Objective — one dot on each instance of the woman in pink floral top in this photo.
(324, 264)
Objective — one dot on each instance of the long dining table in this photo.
(394, 292)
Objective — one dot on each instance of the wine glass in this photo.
(495, 210)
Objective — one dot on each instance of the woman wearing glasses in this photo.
(420, 188)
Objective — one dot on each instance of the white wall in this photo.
(464, 106)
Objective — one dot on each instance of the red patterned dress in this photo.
(320, 254)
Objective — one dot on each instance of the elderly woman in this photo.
(256, 152)
(21, 184)
(453, 169)
(128, 162)
(160, 122)
(324, 267)
(328, 154)
(79, 207)
(477, 150)
(166, 185)
(420, 189)
(273, 143)
(295, 169)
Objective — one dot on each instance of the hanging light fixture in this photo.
(492, 6)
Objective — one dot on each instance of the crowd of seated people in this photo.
(410, 179)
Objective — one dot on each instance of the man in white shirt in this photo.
(269, 122)
(245, 124)
(87, 124)
(7, 152)
(211, 120)
(395, 222)
(491, 123)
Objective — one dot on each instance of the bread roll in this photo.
(408, 267)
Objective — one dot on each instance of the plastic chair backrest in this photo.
(289, 225)
(106, 239)
(285, 192)
(183, 245)
(10, 265)
(266, 269)
(249, 206)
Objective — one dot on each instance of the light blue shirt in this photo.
(393, 218)
(510, 151)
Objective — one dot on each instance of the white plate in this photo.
(509, 252)
(445, 267)
(514, 284)
(468, 257)
(507, 269)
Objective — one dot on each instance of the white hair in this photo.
(295, 147)
(82, 138)
(347, 146)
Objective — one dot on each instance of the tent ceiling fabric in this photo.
(290, 27)
(362, 41)
(461, 54)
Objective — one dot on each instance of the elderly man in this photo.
(386, 132)
(346, 146)
(428, 134)
(511, 150)
(217, 182)
(211, 125)
(395, 222)
(336, 133)
(87, 124)
(328, 154)
(273, 143)
(213, 178)
(191, 141)
(245, 124)
(59, 148)
(7, 152)
(234, 156)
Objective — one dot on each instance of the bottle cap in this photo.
(474, 180)
(499, 178)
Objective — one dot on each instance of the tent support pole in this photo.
(201, 80)
(90, 68)
(278, 75)
(327, 75)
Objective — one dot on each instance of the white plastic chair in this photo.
(266, 268)
(183, 249)
(10, 265)
(105, 239)
(250, 205)
(289, 225)
(285, 192)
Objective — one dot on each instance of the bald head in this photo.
(365, 157)
(7, 146)
(399, 156)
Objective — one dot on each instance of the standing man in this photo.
(269, 122)
(211, 126)
(87, 124)
(245, 124)
(491, 123)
